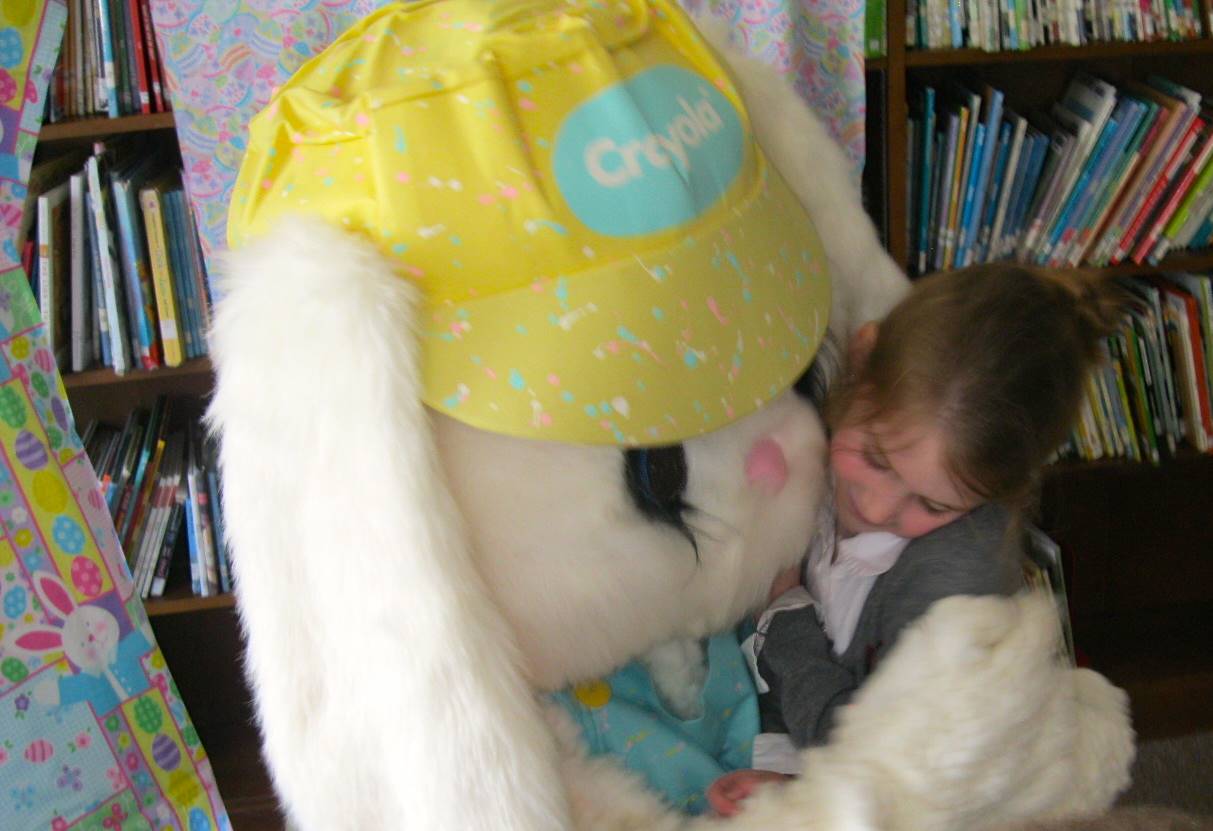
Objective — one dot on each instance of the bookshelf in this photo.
(1135, 537)
(200, 636)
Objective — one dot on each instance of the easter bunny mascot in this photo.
(518, 294)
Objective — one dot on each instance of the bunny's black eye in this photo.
(825, 369)
(657, 481)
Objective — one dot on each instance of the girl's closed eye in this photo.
(935, 509)
(876, 459)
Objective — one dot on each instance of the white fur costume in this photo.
(408, 583)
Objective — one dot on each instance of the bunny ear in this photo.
(53, 593)
(39, 639)
(388, 684)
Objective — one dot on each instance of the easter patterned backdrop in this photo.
(225, 57)
(93, 734)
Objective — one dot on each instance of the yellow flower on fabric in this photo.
(593, 694)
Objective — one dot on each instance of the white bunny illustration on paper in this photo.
(106, 665)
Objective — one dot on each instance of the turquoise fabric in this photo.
(622, 716)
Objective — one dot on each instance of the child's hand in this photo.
(785, 580)
(726, 794)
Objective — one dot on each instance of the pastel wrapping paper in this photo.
(223, 58)
(93, 733)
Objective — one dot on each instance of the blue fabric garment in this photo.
(621, 715)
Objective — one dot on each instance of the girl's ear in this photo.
(861, 345)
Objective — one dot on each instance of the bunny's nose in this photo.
(766, 467)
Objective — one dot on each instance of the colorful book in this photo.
(168, 312)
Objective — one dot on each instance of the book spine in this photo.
(1176, 199)
(164, 561)
(109, 279)
(162, 277)
(1168, 173)
(81, 294)
(105, 31)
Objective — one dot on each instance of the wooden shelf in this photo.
(88, 128)
(978, 57)
(1161, 657)
(107, 377)
(184, 604)
(1186, 460)
(875, 64)
(1195, 261)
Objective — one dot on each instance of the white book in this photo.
(111, 275)
(53, 268)
(83, 355)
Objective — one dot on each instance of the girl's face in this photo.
(894, 478)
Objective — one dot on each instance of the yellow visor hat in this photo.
(605, 255)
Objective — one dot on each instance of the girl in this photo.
(939, 432)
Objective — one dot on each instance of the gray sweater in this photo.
(808, 682)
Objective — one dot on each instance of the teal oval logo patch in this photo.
(649, 153)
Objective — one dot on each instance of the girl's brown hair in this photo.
(996, 355)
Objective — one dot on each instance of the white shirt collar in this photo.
(869, 554)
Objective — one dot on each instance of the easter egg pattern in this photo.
(39, 751)
(13, 670)
(14, 602)
(68, 534)
(86, 577)
(30, 450)
(148, 715)
(165, 752)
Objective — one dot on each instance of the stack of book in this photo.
(1154, 393)
(159, 479)
(997, 25)
(114, 259)
(1107, 174)
(109, 63)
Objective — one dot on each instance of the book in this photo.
(1118, 131)
(1188, 353)
(101, 333)
(1177, 196)
(216, 505)
(1007, 178)
(1201, 288)
(1053, 233)
(168, 313)
(183, 282)
(1124, 170)
(1161, 185)
(111, 275)
(1175, 118)
(172, 535)
(54, 266)
(970, 197)
(991, 108)
(109, 65)
(136, 270)
(1063, 143)
(1039, 147)
(969, 104)
(1044, 556)
(82, 352)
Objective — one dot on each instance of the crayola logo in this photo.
(648, 154)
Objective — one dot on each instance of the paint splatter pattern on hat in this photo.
(604, 253)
